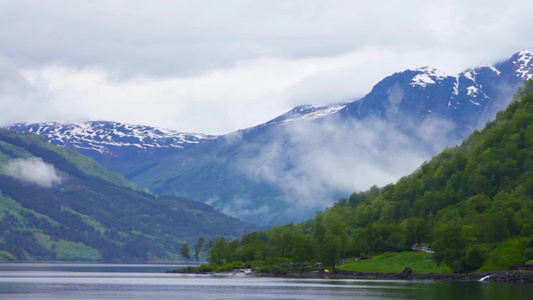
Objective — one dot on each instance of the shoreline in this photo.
(498, 276)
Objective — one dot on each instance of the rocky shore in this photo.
(500, 276)
(407, 274)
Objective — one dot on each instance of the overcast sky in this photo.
(218, 66)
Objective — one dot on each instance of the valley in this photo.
(59, 205)
(301, 162)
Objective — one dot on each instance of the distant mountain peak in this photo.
(99, 135)
(306, 112)
(491, 67)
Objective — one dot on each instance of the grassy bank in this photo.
(395, 262)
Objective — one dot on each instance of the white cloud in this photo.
(218, 66)
(33, 170)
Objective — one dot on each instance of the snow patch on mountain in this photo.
(306, 113)
(471, 75)
(498, 72)
(524, 64)
(455, 88)
(427, 75)
(472, 91)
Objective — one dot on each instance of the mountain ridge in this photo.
(104, 141)
(260, 173)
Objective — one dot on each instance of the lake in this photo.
(149, 281)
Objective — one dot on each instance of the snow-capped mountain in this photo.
(468, 99)
(288, 168)
(119, 146)
(100, 136)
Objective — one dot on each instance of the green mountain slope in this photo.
(15, 144)
(472, 204)
(56, 204)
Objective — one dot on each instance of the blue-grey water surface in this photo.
(148, 281)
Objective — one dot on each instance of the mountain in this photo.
(471, 204)
(56, 204)
(302, 161)
(468, 99)
(287, 169)
(120, 147)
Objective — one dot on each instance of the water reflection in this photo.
(92, 267)
(112, 281)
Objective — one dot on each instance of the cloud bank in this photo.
(33, 170)
(218, 66)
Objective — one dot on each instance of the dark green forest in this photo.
(93, 214)
(472, 205)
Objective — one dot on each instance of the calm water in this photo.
(148, 281)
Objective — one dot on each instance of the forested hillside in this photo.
(472, 204)
(56, 204)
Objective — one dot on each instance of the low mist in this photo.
(33, 170)
(316, 162)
